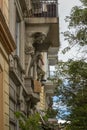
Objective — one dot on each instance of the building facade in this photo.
(7, 46)
(29, 43)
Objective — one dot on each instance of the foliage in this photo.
(72, 86)
(51, 113)
(77, 26)
(72, 91)
(33, 121)
(30, 123)
(84, 2)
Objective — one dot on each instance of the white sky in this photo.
(64, 10)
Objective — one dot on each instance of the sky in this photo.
(64, 10)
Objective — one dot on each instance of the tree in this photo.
(77, 27)
(36, 121)
(72, 90)
(51, 113)
(72, 86)
(28, 123)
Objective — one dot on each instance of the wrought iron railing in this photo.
(44, 8)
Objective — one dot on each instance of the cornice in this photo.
(5, 36)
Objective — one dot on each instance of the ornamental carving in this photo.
(29, 50)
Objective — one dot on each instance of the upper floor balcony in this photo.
(50, 87)
(44, 8)
(51, 82)
(53, 55)
(42, 23)
(53, 59)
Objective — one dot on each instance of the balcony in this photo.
(53, 56)
(50, 87)
(42, 11)
(53, 59)
(44, 8)
(43, 17)
(33, 88)
(53, 50)
(51, 83)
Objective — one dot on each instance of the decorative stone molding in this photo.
(1, 98)
(5, 36)
(29, 50)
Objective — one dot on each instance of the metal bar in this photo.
(44, 8)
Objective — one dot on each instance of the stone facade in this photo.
(28, 42)
(7, 45)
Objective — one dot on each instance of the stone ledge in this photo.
(5, 36)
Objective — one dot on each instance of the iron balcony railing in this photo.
(44, 8)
